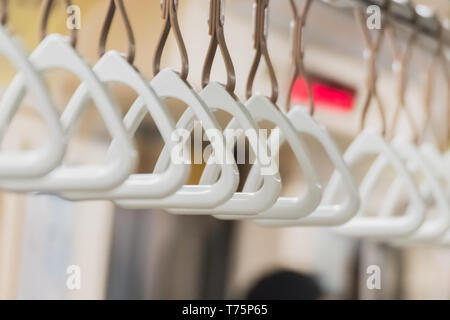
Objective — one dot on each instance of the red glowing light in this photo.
(327, 95)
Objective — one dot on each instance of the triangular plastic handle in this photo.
(55, 52)
(168, 84)
(326, 214)
(368, 143)
(33, 163)
(113, 68)
(432, 228)
(241, 203)
(262, 109)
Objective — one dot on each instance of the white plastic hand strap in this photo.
(54, 52)
(241, 203)
(285, 207)
(112, 67)
(367, 143)
(168, 84)
(36, 162)
(326, 214)
(433, 227)
(437, 162)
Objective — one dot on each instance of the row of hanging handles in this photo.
(341, 203)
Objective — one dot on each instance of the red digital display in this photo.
(327, 94)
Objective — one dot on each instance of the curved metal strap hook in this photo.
(169, 13)
(400, 67)
(5, 12)
(371, 53)
(447, 80)
(113, 4)
(47, 8)
(297, 25)
(437, 59)
(216, 22)
(260, 45)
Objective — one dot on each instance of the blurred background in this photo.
(150, 254)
